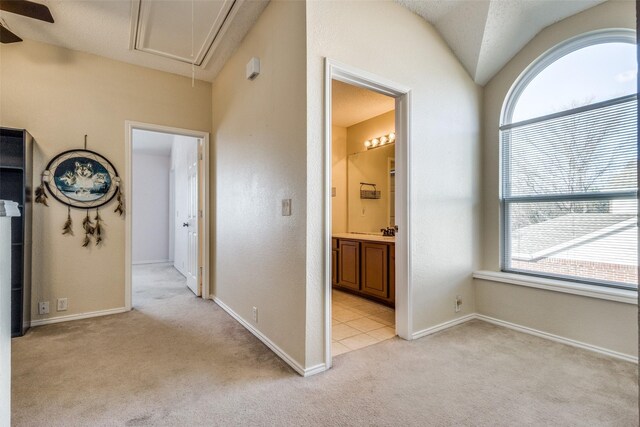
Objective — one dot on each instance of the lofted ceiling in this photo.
(483, 34)
(351, 104)
(154, 34)
(486, 34)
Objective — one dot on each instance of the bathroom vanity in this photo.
(364, 264)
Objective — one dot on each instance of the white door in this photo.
(193, 276)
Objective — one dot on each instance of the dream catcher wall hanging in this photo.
(82, 179)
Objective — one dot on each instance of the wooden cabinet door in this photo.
(392, 272)
(349, 261)
(334, 261)
(334, 267)
(374, 269)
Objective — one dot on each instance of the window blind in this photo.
(569, 193)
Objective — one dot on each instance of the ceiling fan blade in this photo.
(7, 36)
(28, 9)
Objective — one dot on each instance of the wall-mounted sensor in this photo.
(253, 68)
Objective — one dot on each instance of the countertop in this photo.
(367, 237)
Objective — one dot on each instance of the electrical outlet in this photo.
(62, 304)
(43, 307)
(254, 311)
(458, 303)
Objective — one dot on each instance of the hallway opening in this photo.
(167, 227)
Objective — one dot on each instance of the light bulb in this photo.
(392, 136)
(375, 142)
(383, 140)
(367, 143)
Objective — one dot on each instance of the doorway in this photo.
(362, 258)
(363, 217)
(167, 217)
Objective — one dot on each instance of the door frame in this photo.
(203, 244)
(335, 70)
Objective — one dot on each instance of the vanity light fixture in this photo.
(380, 141)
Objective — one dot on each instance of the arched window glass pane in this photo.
(585, 76)
(569, 163)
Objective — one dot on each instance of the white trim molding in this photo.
(277, 350)
(158, 261)
(317, 369)
(558, 338)
(556, 285)
(79, 316)
(442, 326)
(525, 330)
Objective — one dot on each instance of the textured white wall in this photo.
(386, 39)
(150, 207)
(60, 95)
(603, 323)
(259, 134)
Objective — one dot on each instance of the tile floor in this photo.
(358, 323)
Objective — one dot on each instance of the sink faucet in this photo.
(389, 231)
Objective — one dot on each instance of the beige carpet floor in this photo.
(178, 360)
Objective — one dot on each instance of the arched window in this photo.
(569, 163)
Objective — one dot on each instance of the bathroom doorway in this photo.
(362, 217)
(166, 221)
(367, 237)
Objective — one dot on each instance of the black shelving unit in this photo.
(16, 177)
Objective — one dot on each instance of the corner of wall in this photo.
(259, 129)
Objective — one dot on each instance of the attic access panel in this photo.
(164, 28)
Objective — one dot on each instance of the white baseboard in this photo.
(70, 317)
(315, 370)
(158, 261)
(557, 338)
(277, 350)
(526, 330)
(443, 326)
(180, 270)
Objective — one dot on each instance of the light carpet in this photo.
(179, 360)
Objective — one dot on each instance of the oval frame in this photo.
(91, 155)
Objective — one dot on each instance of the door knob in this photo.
(185, 224)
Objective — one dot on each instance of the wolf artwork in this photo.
(82, 179)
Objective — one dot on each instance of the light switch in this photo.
(286, 207)
(333, 191)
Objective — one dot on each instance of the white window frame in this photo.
(612, 35)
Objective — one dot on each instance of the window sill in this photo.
(592, 291)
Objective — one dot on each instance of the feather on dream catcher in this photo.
(82, 179)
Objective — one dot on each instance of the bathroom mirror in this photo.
(377, 166)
